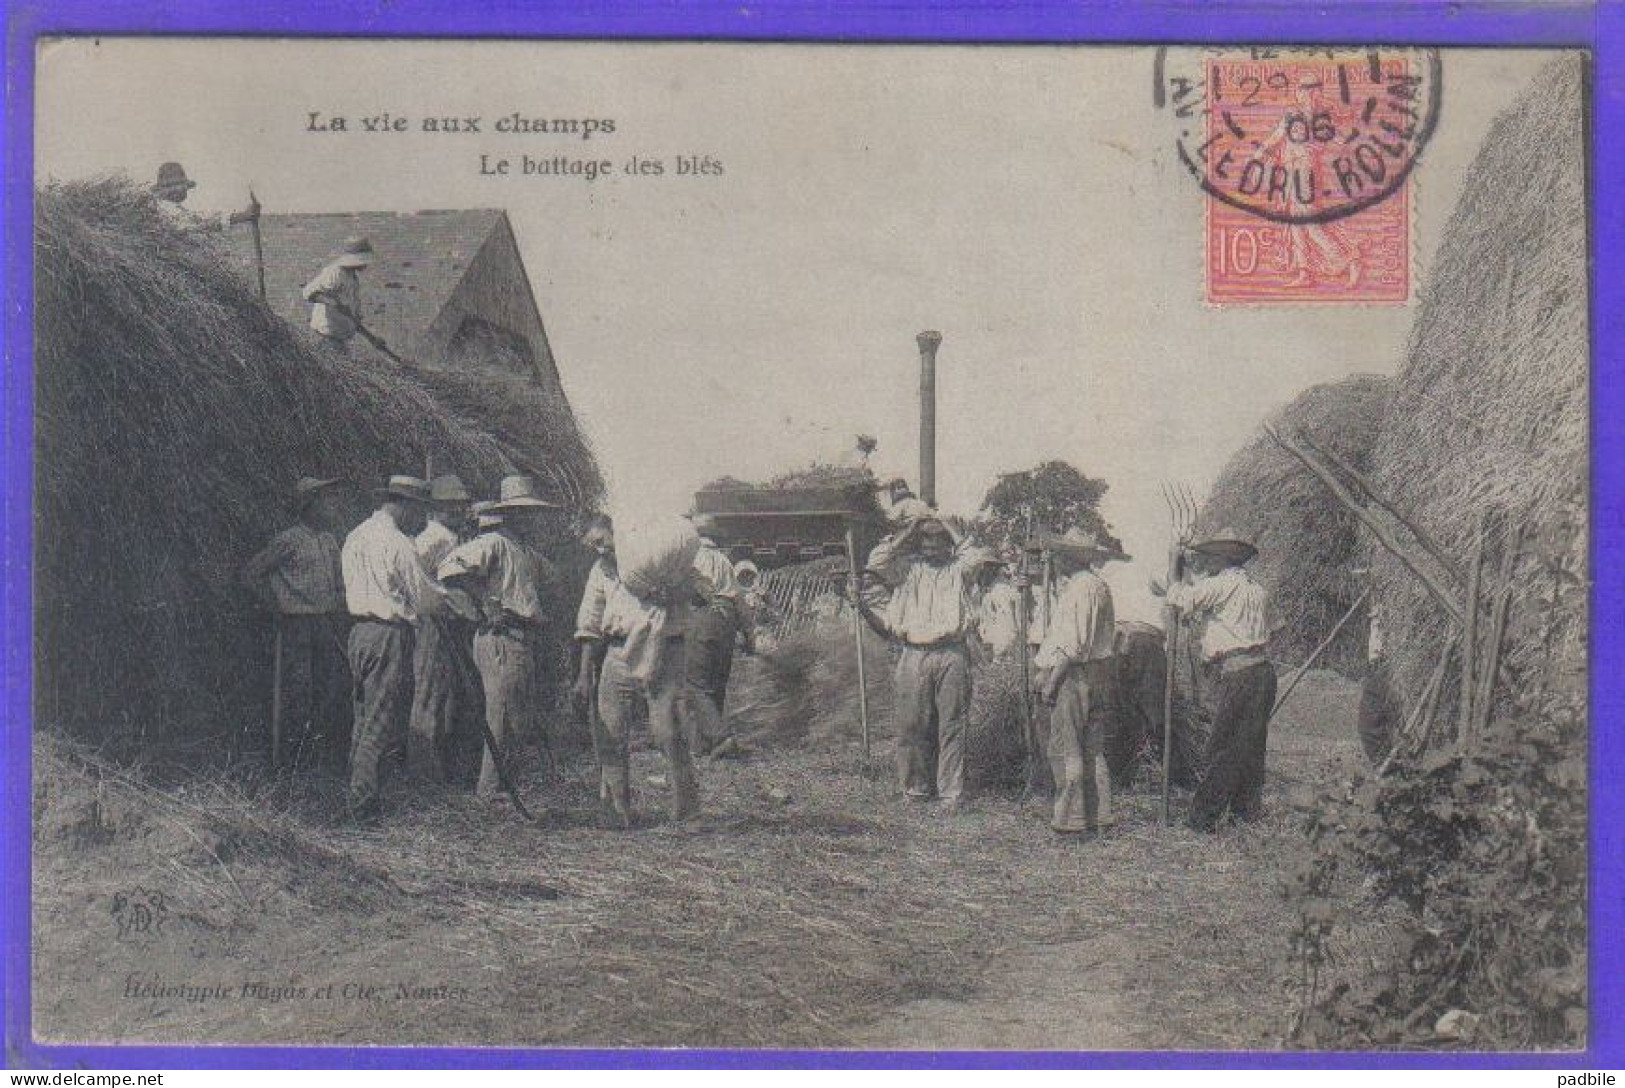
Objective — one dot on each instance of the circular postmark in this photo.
(1298, 135)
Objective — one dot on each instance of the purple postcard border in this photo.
(1600, 28)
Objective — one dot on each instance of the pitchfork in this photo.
(1182, 525)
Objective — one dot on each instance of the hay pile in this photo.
(1491, 409)
(173, 413)
(1308, 544)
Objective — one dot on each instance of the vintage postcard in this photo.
(856, 547)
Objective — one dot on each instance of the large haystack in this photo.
(1308, 548)
(173, 413)
(1490, 412)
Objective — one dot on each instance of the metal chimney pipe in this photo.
(928, 341)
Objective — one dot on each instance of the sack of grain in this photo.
(655, 554)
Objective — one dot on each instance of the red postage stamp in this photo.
(1306, 157)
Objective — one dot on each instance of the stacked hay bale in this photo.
(173, 413)
(1490, 413)
(1309, 549)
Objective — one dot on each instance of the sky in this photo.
(1023, 200)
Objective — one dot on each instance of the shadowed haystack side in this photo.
(1308, 547)
(173, 413)
(1490, 412)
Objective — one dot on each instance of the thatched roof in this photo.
(1490, 411)
(174, 411)
(1308, 547)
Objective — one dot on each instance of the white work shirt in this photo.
(508, 576)
(1082, 625)
(997, 618)
(1233, 609)
(340, 283)
(927, 604)
(383, 577)
(435, 543)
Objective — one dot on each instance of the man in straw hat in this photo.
(387, 592)
(708, 661)
(1077, 679)
(335, 294)
(925, 604)
(1233, 611)
(297, 576)
(504, 577)
(447, 684)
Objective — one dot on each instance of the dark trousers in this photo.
(315, 687)
(1235, 756)
(447, 702)
(381, 673)
(1381, 713)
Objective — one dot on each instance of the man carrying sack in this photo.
(297, 576)
(504, 577)
(1233, 609)
(927, 607)
(1077, 680)
(387, 592)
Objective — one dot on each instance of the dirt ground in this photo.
(809, 907)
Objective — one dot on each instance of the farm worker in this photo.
(387, 591)
(504, 576)
(997, 605)
(1077, 680)
(711, 639)
(1381, 711)
(1232, 609)
(925, 578)
(335, 294)
(297, 576)
(614, 790)
(639, 641)
(447, 684)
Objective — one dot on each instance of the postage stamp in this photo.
(1306, 157)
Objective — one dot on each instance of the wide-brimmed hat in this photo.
(1083, 546)
(171, 175)
(355, 253)
(1226, 544)
(484, 516)
(410, 488)
(448, 489)
(519, 493)
(308, 488)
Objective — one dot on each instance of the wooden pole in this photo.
(1303, 669)
(1422, 537)
(1484, 702)
(857, 637)
(1440, 593)
(1423, 710)
(1469, 638)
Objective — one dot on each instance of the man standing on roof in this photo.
(925, 604)
(1077, 680)
(711, 638)
(335, 294)
(447, 685)
(504, 577)
(1235, 630)
(297, 576)
(387, 592)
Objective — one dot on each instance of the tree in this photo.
(1053, 497)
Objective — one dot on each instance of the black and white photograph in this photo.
(793, 547)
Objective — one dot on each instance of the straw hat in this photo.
(448, 489)
(519, 493)
(307, 488)
(1227, 544)
(355, 253)
(1081, 546)
(171, 175)
(409, 488)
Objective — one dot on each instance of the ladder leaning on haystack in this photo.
(1478, 638)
